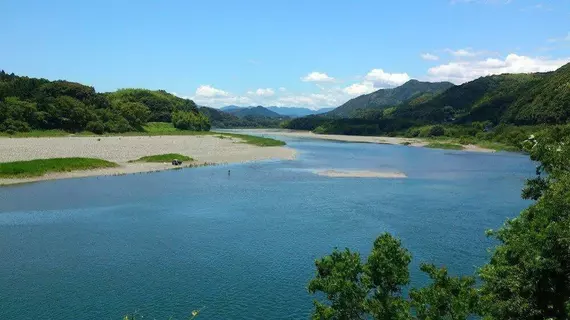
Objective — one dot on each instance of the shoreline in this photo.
(413, 142)
(206, 150)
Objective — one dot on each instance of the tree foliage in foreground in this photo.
(361, 290)
(527, 277)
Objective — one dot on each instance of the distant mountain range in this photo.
(510, 99)
(223, 119)
(297, 112)
(412, 89)
(292, 112)
(258, 111)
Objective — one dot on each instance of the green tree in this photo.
(137, 114)
(72, 114)
(373, 290)
(386, 272)
(436, 131)
(339, 277)
(451, 298)
(528, 276)
(18, 110)
(194, 121)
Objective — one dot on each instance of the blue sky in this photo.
(284, 52)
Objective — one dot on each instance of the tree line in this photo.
(39, 104)
(526, 278)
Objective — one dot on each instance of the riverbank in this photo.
(204, 149)
(413, 142)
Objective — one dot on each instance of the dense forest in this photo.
(30, 103)
(385, 98)
(502, 108)
(526, 278)
(221, 119)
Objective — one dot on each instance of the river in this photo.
(242, 246)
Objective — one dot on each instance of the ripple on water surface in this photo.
(242, 246)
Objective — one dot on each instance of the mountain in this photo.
(258, 111)
(291, 112)
(492, 98)
(40, 104)
(222, 119)
(506, 100)
(295, 112)
(519, 99)
(230, 108)
(384, 98)
(546, 102)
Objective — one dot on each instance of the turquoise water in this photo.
(242, 246)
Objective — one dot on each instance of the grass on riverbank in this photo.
(40, 167)
(443, 145)
(151, 129)
(254, 140)
(167, 157)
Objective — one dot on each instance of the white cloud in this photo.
(462, 53)
(312, 100)
(267, 92)
(317, 77)
(429, 57)
(383, 79)
(374, 80)
(282, 89)
(358, 89)
(209, 91)
(464, 71)
(180, 96)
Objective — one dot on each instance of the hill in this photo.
(296, 112)
(384, 98)
(160, 103)
(230, 108)
(291, 112)
(548, 101)
(500, 108)
(30, 103)
(258, 111)
(221, 119)
(484, 99)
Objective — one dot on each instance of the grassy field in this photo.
(168, 157)
(39, 167)
(443, 145)
(152, 129)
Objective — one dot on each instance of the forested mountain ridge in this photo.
(257, 111)
(484, 99)
(221, 119)
(508, 99)
(385, 98)
(546, 102)
(31, 103)
(297, 111)
(292, 112)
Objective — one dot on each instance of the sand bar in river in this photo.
(206, 149)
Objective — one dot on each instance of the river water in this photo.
(241, 246)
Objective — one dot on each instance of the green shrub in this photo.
(11, 126)
(97, 127)
(193, 121)
(118, 125)
(436, 131)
